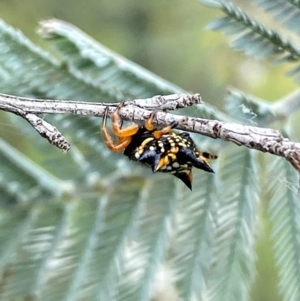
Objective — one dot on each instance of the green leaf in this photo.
(22, 180)
(249, 109)
(101, 65)
(89, 59)
(284, 11)
(284, 211)
(236, 220)
(253, 37)
(34, 72)
(192, 252)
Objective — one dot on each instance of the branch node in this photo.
(48, 131)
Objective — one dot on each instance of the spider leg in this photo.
(149, 123)
(166, 130)
(115, 147)
(158, 133)
(116, 122)
(205, 155)
(197, 160)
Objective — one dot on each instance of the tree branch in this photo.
(48, 131)
(262, 139)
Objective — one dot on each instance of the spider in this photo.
(161, 149)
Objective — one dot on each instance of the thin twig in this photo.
(262, 139)
(44, 128)
(48, 131)
(14, 104)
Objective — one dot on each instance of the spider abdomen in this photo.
(171, 153)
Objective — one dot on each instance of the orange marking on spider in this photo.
(162, 162)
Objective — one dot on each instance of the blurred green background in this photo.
(168, 38)
(164, 36)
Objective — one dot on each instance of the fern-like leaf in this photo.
(248, 109)
(34, 72)
(253, 37)
(22, 180)
(191, 254)
(102, 65)
(285, 216)
(234, 261)
(283, 11)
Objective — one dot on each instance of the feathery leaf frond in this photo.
(32, 71)
(285, 216)
(22, 179)
(236, 219)
(283, 11)
(191, 253)
(248, 109)
(251, 36)
(102, 65)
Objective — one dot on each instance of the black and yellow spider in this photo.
(161, 149)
